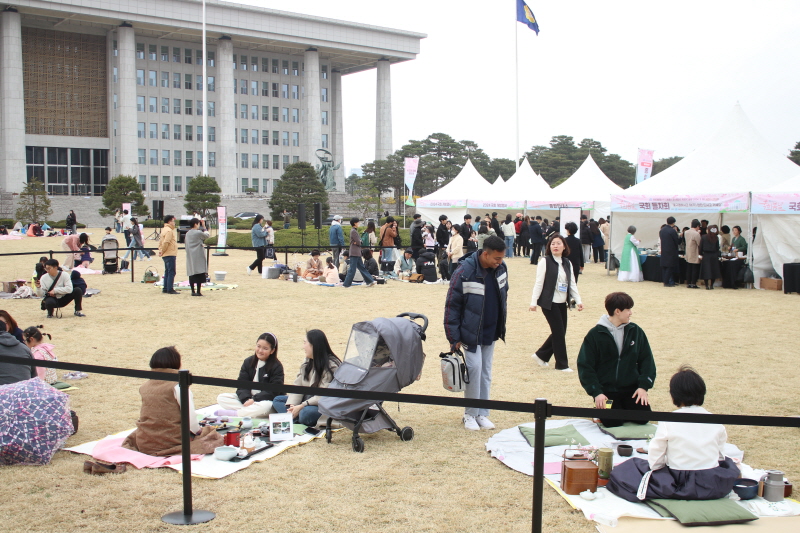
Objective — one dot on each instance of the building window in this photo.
(143, 182)
(254, 162)
(243, 60)
(176, 80)
(153, 104)
(296, 139)
(140, 130)
(275, 138)
(165, 105)
(176, 55)
(295, 68)
(115, 128)
(212, 159)
(165, 157)
(188, 131)
(211, 59)
(243, 111)
(274, 90)
(177, 158)
(244, 160)
(140, 103)
(165, 131)
(178, 187)
(152, 50)
(245, 181)
(189, 158)
(254, 112)
(116, 74)
(198, 79)
(199, 108)
(165, 79)
(254, 136)
(212, 85)
(198, 57)
(264, 136)
(254, 183)
(265, 162)
(235, 84)
(264, 64)
(324, 72)
(324, 118)
(253, 88)
(295, 92)
(154, 183)
(187, 81)
(188, 181)
(235, 65)
(165, 183)
(285, 161)
(324, 94)
(114, 47)
(139, 76)
(176, 106)
(139, 50)
(243, 86)
(254, 64)
(153, 130)
(285, 114)
(295, 115)
(244, 135)
(285, 67)
(116, 100)
(295, 159)
(165, 53)
(325, 140)
(142, 156)
(152, 78)
(274, 66)
(264, 112)
(153, 157)
(212, 109)
(284, 90)
(275, 114)
(187, 55)
(188, 106)
(276, 162)
(199, 159)
(285, 138)
(212, 135)
(176, 131)
(200, 133)
(264, 88)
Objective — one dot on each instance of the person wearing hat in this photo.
(417, 241)
(336, 238)
(356, 263)
(406, 265)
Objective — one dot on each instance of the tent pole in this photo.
(750, 240)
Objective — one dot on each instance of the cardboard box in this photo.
(772, 284)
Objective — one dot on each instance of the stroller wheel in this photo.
(406, 434)
(328, 434)
(358, 445)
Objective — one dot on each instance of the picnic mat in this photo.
(762, 525)
(210, 286)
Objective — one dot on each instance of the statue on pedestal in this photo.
(326, 168)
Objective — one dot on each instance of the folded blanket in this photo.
(111, 450)
(560, 436)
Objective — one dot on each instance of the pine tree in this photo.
(298, 184)
(794, 155)
(201, 195)
(123, 190)
(33, 204)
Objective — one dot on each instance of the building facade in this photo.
(91, 89)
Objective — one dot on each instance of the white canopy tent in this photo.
(451, 200)
(776, 214)
(712, 183)
(509, 197)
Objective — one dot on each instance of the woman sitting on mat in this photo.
(261, 367)
(685, 461)
(316, 371)
(313, 266)
(43, 351)
(158, 430)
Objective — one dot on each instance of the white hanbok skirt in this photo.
(635, 273)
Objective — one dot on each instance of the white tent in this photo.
(712, 182)
(451, 200)
(776, 216)
(509, 196)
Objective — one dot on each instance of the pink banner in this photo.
(776, 203)
(644, 165)
(445, 202)
(701, 203)
(410, 172)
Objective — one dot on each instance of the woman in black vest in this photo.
(555, 284)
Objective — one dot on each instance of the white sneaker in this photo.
(470, 423)
(249, 271)
(484, 422)
(540, 361)
(372, 284)
(565, 370)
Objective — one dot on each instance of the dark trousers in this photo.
(336, 251)
(258, 263)
(356, 263)
(127, 233)
(598, 253)
(692, 272)
(53, 303)
(556, 343)
(537, 253)
(624, 400)
(196, 279)
(169, 272)
(666, 275)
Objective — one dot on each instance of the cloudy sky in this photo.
(631, 74)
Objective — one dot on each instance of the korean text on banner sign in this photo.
(644, 166)
(222, 220)
(702, 203)
(776, 203)
(410, 174)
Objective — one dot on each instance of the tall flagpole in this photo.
(516, 84)
(205, 96)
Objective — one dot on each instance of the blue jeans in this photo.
(169, 272)
(357, 263)
(479, 364)
(509, 246)
(308, 415)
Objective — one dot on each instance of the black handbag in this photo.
(269, 253)
(745, 275)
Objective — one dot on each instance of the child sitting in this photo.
(86, 256)
(330, 274)
(43, 351)
(685, 461)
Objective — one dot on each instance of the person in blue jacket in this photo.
(475, 317)
(336, 237)
(258, 236)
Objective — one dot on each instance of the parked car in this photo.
(246, 215)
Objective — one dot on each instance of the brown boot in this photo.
(100, 468)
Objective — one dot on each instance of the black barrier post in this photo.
(187, 516)
(51, 254)
(541, 410)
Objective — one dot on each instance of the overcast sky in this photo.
(630, 74)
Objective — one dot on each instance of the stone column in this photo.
(312, 120)
(226, 136)
(127, 141)
(383, 122)
(338, 129)
(12, 104)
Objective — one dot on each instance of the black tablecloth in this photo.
(730, 271)
(651, 269)
(791, 277)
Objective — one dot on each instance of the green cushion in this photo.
(703, 512)
(563, 436)
(630, 431)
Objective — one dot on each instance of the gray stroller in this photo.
(110, 247)
(383, 355)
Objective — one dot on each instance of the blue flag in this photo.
(525, 15)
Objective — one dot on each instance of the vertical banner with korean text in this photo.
(409, 176)
(127, 207)
(222, 233)
(644, 165)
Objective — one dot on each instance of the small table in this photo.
(791, 277)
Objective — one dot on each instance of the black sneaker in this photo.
(50, 316)
(78, 313)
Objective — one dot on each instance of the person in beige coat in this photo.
(455, 248)
(693, 242)
(605, 229)
(316, 371)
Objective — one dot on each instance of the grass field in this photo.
(742, 342)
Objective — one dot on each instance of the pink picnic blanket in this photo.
(111, 450)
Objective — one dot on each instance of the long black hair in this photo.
(322, 356)
(272, 340)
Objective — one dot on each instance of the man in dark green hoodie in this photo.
(615, 362)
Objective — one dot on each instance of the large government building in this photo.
(90, 89)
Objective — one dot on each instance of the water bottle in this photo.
(603, 519)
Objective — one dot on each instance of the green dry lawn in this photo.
(742, 342)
